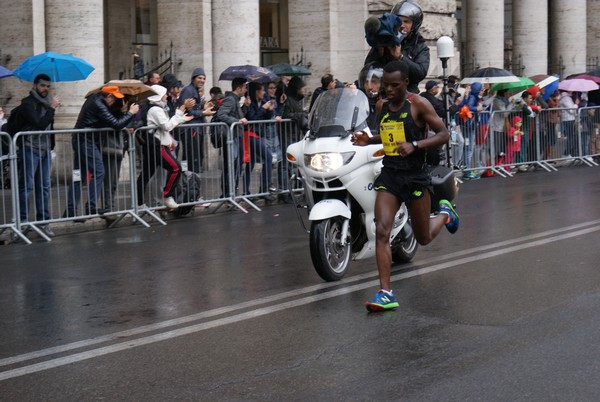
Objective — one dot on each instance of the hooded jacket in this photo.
(158, 119)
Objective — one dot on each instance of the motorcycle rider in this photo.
(369, 81)
(413, 49)
(404, 176)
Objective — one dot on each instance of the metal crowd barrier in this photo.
(545, 140)
(88, 178)
(261, 142)
(10, 208)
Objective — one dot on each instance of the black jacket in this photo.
(95, 113)
(437, 104)
(416, 57)
(38, 117)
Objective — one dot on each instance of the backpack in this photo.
(188, 190)
(15, 122)
(217, 134)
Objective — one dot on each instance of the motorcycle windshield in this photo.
(338, 113)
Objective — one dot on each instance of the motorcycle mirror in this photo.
(354, 118)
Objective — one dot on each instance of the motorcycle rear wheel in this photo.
(405, 248)
(330, 258)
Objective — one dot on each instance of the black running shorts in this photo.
(405, 185)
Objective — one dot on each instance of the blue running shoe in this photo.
(471, 175)
(382, 301)
(452, 222)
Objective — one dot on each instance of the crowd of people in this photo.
(97, 155)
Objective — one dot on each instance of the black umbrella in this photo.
(490, 75)
(249, 72)
(290, 70)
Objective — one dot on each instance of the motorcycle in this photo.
(338, 179)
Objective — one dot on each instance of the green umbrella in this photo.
(523, 83)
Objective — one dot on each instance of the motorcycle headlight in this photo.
(328, 161)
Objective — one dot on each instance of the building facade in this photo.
(127, 38)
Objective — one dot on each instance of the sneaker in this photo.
(471, 175)
(170, 203)
(383, 300)
(452, 221)
(47, 230)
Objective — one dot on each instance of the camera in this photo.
(383, 31)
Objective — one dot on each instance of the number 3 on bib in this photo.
(391, 133)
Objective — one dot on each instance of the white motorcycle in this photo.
(338, 179)
(338, 182)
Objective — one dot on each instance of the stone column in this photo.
(77, 28)
(530, 36)
(593, 29)
(485, 34)
(235, 35)
(188, 24)
(568, 34)
(310, 28)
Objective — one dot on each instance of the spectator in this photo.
(513, 146)
(553, 119)
(432, 89)
(469, 125)
(112, 146)
(293, 110)
(192, 138)
(95, 113)
(327, 82)
(163, 145)
(529, 112)
(567, 126)
(153, 78)
(260, 109)
(34, 157)
(413, 49)
(273, 134)
(231, 112)
(500, 123)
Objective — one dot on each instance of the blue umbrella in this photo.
(5, 72)
(59, 67)
(249, 72)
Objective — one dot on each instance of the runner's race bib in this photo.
(391, 133)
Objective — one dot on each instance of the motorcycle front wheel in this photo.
(330, 258)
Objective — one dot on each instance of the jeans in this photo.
(34, 176)
(87, 158)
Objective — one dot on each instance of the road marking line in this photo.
(130, 344)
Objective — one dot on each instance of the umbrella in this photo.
(490, 75)
(578, 85)
(523, 83)
(59, 67)
(135, 88)
(5, 72)
(542, 81)
(588, 77)
(291, 70)
(249, 72)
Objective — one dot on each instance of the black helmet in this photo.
(370, 79)
(411, 10)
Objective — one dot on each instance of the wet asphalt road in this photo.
(228, 307)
